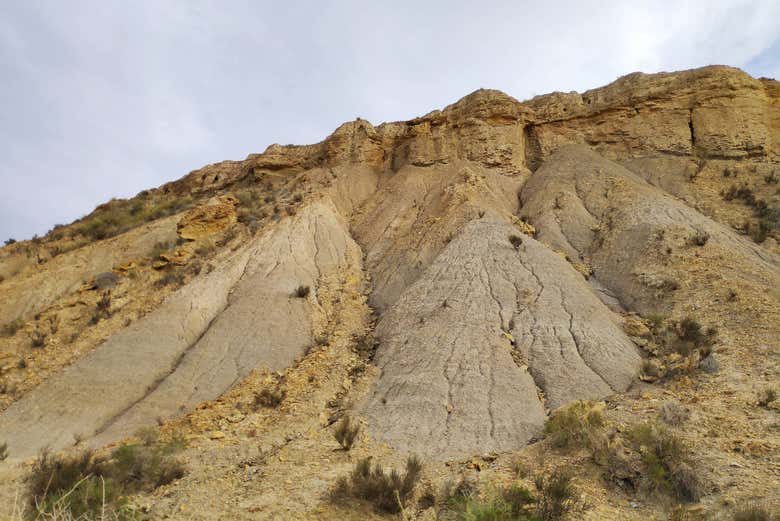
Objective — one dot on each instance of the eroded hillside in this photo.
(449, 284)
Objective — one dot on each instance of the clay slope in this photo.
(198, 344)
(489, 335)
(640, 241)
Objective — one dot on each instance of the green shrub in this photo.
(81, 484)
(9, 241)
(667, 465)
(576, 426)
(386, 491)
(495, 509)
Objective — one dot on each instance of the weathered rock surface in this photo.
(633, 234)
(39, 286)
(203, 340)
(207, 219)
(489, 335)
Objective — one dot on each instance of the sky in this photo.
(102, 99)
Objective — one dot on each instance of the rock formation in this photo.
(508, 251)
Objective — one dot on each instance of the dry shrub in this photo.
(667, 464)
(301, 291)
(84, 483)
(386, 491)
(37, 338)
(674, 414)
(556, 495)
(767, 396)
(755, 513)
(580, 425)
(11, 328)
(516, 241)
(270, 398)
(346, 432)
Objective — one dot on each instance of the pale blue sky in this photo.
(105, 98)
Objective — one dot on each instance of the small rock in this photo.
(236, 417)
(216, 435)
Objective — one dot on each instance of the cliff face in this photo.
(709, 113)
(507, 250)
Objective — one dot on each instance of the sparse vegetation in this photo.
(667, 465)
(755, 513)
(699, 238)
(767, 396)
(119, 215)
(159, 248)
(556, 495)
(386, 491)
(691, 337)
(575, 426)
(80, 484)
(270, 398)
(301, 292)
(346, 432)
(170, 279)
(3, 451)
(37, 338)
(771, 179)
(766, 218)
(674, 414)
(758, 231)
(102, 308)
(11, 328)
(514, 503)
(9, 241)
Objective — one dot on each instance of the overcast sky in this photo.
(105, 98)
